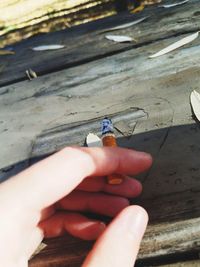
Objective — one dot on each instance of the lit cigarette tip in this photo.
(115, 179)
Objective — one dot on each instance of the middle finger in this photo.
(99, 203)
(130, 187)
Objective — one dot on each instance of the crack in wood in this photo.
(74, 134)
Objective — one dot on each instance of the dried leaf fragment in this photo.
(175, 4)
(151, 2)
(119, 38)
(125, 25)
(47, 47)
(92, 140)
(39, 248)
(6, 52)
(180, 43)
(138, 9)
(31, 74)
(195, 103)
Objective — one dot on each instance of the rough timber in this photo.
(148, 100)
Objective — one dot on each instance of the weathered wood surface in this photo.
(22, 19)
(77, 95)
(149, 103)
(87, 42)
(195, 263)
(160, 239)
(26, 12)
(148, 100)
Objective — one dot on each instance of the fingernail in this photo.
(95, 230)
(102, 227)
(135, 219)
(145, 155)
(137, 188)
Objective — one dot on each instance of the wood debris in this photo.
(6, 52)
(31, 74)
(151, 2)
(140, 4)
(174, 4)
(195, 103)
(39, 248)
(180, 43)
(125, 25)
(119, 38)
(47, 47)
(138, 9)
(92, 140)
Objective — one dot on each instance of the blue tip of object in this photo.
(106, 126)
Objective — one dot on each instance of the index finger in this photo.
(51, 179)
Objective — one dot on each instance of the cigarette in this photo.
(109, 139)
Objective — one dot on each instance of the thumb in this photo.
(119, 244)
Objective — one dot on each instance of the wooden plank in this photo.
(108, 86)
(23, 13)
(151, 97)
(160, 239)
(161, 23)
(35, 18)
(194, 263)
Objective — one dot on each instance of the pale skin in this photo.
(45, 201)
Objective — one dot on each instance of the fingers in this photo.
(51, 179)
(118, 160)
(130, 187)
(48, 212)
(93, 202)
(119, 244)
(73, 223)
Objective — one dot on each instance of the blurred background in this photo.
(20, 19)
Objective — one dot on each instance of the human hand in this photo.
(34, 196)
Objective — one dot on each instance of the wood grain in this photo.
(160, 239)
(194, 263)
(153, 102)
(22, 19)
(161, 23)
(148, 100)
(160, 87)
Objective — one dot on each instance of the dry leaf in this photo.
(6, 52)
(31, 74)
(151, 2)
(92, 140)
(138, 9)
(119, 38)
(47, 47)
(123, 26)
(176, 45)
(195, 102)
(175, 4)
(39, 248)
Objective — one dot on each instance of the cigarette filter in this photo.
(109, 139)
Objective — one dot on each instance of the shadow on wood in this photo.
(170, 188)
(170, 194)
